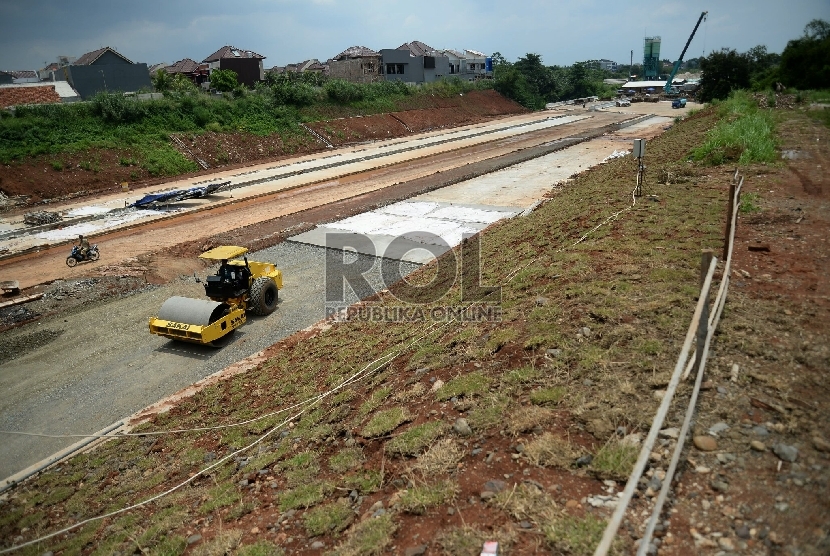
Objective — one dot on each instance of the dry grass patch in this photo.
(420, 498)
(386, 421)
(328, 518)
(547, 396)
(549, 450)
(415, 440)
(577, 536)
(442, 457)
(346, 459)
(525, 502)
(415, 392)
(489, 412)
(471, 384)
(368, 537)
(528, 418)
(226, 542)
(615, 460)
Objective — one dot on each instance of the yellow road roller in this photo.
(238, 286)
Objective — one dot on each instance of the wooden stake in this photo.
(729, 209)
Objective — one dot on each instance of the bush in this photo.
(344, 92)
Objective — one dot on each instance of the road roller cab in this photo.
(237, 287)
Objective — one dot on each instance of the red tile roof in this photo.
(232, 52)
(90, 57)
(183, 66)
(417, 48)
(14, 96)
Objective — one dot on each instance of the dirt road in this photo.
(319, 188)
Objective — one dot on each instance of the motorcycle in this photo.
(75, 256)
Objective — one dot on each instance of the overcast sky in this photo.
(35, 32)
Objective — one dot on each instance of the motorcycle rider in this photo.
(83, 246)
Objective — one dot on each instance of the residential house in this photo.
(414, 62)
(357, 64)
(468, 65)
(246, 64)
(52, 72)
(24, 76)
(104, 70)
(191, 69)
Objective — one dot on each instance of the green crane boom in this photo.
(679, 61)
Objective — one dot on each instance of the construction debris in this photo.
(41, 217)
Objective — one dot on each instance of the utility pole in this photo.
(631, 65)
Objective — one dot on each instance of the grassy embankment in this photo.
(142, 129)
(632, 281)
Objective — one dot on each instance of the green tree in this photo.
(162, 81)
(223, 80)
(723, 71)
(805, 62)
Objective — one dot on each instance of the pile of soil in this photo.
(46, 178)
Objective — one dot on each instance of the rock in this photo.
(785, 452)
(705, 443)
(720, 486)
(760, 430)
(437, 384)
(353, 496)
(655, 483)
(774, 538)
(255, 530)
(210, 456)
(781, 506)
(194, 538)
(379, 512)
(462, 427)
(541, 301)
(476, 451)
(585, 331)
(725, 543)
(495, 485)
(243, 482)
(584, 461)
(525, 525)
(487, 494)
(317, 545)
(721, 390)
(554, 352)
(415, 550)
(572, 505)
(758, 446)
(376, 506)
(587, 382)
(718, 428)
(821, 444)
(742, 532)
(672, 432)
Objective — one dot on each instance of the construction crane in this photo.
(679, 61)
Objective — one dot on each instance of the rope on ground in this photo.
(366, 371)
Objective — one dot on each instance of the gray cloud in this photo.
(285, 31)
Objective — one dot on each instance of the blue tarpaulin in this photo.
(156, 200)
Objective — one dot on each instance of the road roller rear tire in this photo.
(264, 296)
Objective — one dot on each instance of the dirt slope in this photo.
(46, 177)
